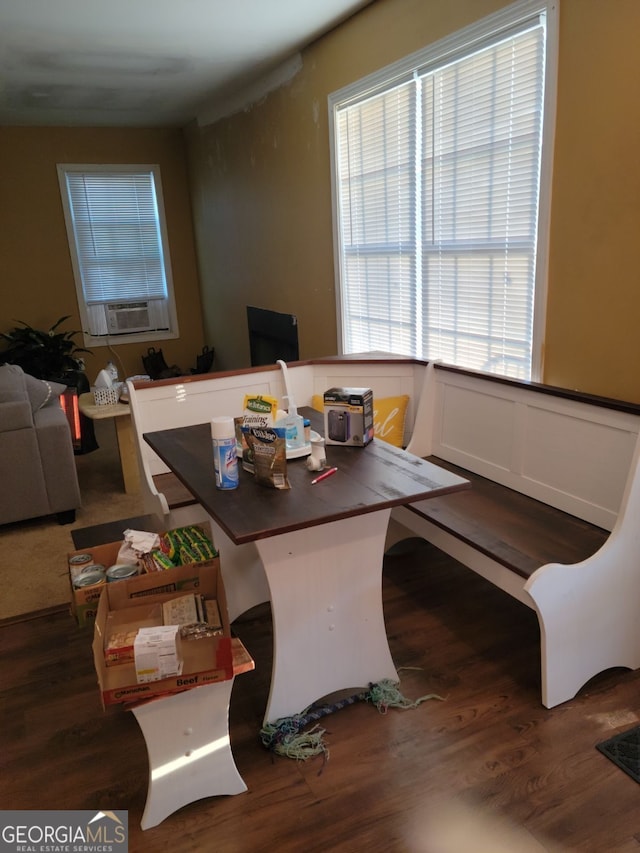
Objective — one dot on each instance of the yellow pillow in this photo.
(388, 416)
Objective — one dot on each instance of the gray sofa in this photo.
(38, 474)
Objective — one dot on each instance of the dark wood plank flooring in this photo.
(490, 745)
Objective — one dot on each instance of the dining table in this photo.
(322, 547)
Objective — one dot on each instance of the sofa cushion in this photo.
(12, 385)
(42, 392)
(15, 384)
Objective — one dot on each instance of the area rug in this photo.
(33, 554)
(624, 750)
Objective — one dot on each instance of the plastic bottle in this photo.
(294, 426)
(225, 460)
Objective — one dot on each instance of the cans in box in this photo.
(84, 599)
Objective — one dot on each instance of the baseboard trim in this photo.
(35, 614)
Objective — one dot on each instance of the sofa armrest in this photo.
(57, 459)
(14, 415)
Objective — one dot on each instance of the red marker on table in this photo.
(324, 476)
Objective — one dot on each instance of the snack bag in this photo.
(259, 410)
(267, 447)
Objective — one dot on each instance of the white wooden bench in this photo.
(553, 515)
(552, 518)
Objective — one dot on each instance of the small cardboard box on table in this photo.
(348, 416)
(205, 660)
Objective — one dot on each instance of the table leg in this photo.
(128, 458)
(326, 599)
(187, 737)
(245, 583)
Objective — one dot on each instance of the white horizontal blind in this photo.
(377, 188)
(482, 125)
(117, 235)
(437, 190)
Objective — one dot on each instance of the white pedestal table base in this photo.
(187, 737)
(326, 599)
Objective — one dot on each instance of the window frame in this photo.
(438, 53)
(107, 339)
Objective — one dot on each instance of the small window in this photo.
(119, 250)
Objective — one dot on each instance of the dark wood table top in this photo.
(369, 478)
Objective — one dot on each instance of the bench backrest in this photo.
(193, 400)
(574, 454)
(570, 451)
(386, 379)
(196, 399)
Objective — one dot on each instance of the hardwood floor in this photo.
(390, 779)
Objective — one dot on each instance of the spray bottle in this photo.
(225, 461)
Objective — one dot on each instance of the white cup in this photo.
(317, 460)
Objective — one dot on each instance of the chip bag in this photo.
(267, 450)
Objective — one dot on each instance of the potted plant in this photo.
(49, 354)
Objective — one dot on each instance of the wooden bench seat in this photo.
(176, 494)
(552, 514)
(517, 531)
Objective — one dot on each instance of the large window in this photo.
(441, 178)
(119, 250)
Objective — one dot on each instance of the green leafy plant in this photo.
(49, 354)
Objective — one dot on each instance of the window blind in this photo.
(117, 234)
(377, 145)
(437, 189)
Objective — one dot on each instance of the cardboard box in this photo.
(205, 660)
(84, 601)
(123, 625)
(348, 416)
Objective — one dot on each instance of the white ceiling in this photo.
(143, 63)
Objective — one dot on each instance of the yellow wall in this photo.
(594, 299)
(37, 283)
(261, 195)
(262, 202)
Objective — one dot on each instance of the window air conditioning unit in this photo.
(127, 317)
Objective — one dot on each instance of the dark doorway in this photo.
(272, 336)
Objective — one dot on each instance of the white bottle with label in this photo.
(225, 460)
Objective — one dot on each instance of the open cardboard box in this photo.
(84, 601)
(206, 660)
